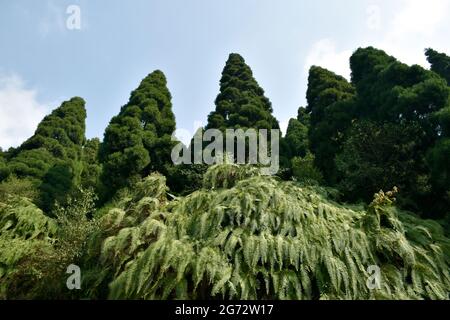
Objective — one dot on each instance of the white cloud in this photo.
(20, 112)
(283, 126)
(416, 26)
(324, 53)
(419, 17)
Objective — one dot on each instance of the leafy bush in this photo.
(36, 250)
(261, 238)
(304, 170)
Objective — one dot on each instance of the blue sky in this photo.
(43, 63)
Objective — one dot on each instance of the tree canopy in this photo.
(51, 157)
(138, 140)
(241, 102)
(365, 183)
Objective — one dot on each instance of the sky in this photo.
(100, 50)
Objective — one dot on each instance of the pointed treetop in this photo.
(241, 102)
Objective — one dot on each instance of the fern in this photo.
(244, 236)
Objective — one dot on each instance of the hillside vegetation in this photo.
(360, 208)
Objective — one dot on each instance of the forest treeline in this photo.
(364, 180)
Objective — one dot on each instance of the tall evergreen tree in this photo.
(51, 157)
(138, 140)
(388, 90)
(330, 100)
(393, 95)
(241, 102)
(440, 63)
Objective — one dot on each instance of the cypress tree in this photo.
(138, 140)
(330, 100)
(51, 157)
(241, 102)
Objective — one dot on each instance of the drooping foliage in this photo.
(36, 250)
(249, 237)
(25, 233)
(138, 140)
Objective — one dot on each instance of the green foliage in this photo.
(25, 234)
(296, 138)
(51, 156)
(380, 156)
(138, 140)
(4, 170)
(440, 63)
(35, 250)
(90, 175)
(389, 90)
(261, 238)
(185, 178)
(295, 143)
(241, 102)
(305, 171)
(229, 232)
(118, 239)
(440, 164)
(331, 107)
(408, 103)
(13, 186)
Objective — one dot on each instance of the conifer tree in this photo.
(388, 90)
(241, 102)
(330, 105)
(411, 98)
(51, 157)
(138, 140)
